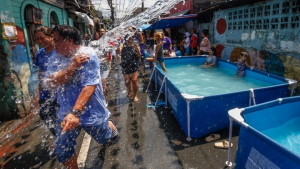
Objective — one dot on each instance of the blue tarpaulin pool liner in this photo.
(257, 150)
(172, 22)
(209, 114)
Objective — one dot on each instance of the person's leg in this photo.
(162, 65)
(71, 163)
(48, 114)
(128, 84)
(143, 64)
(101, 133)
(135, 85)
(103, 81)
(65, 143)
(150, 59)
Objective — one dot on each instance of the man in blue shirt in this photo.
(79, 93)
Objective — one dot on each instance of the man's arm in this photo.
(70, 121)
(61, 77)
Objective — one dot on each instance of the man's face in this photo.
(102, 32)
(62, 45)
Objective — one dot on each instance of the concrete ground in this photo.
(148, 138)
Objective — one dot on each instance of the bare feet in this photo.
(136, 99)
(129, 94)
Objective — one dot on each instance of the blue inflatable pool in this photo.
(199, 115)
(269, 135)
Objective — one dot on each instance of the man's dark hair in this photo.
(166, 33)
(67, 31)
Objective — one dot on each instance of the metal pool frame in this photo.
(255, 148)
(199, 115)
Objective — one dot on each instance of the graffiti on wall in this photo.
(14, 78)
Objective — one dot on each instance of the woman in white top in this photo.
(205, 44)
(186, 45)
(151, 48)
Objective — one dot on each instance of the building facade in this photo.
(18, 74)
(269, 31)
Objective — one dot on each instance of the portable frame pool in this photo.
(255, 149)
(199, 115)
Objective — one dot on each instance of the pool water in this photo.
(288, 134)
(195, 80)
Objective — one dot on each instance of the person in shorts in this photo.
(80, 95)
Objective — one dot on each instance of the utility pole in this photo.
(143, 5)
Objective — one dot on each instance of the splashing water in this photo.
(160, 7)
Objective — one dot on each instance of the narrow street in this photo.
(148, 138)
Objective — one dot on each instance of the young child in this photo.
(241, 64)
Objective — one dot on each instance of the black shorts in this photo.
(129, 70)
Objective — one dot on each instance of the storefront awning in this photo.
(172, 22)
(85, 17)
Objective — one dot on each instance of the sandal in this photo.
(212, 137)
(223, 144)
(115, 134)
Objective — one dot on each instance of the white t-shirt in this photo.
(187, 42)
(152, 51)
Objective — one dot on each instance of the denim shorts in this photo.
(65, 143)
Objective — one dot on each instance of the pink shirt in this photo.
(206, 48)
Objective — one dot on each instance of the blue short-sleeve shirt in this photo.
(42, 58)
(95, 112)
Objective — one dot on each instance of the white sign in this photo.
(9, 31)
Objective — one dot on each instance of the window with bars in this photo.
(240, 14)
(285, 8)
(266, 24)
(252, 24)
(276, 9)
(234, 26)
(295, 5)
(252, 12)
(267, 10)
(230, 16)
(295, 22)
(258, 24)
(274, 23)
(246, 13)
(229, 25)
(284, 23)
(246, 25)
(259, 11)
(240, 25)
(234, 15)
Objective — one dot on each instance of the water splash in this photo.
(115, 35)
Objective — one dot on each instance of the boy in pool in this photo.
(241, 64)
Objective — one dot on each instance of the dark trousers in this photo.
(48, 111)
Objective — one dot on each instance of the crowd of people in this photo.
(73, 76)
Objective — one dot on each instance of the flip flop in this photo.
(115, 133)
(212, 137)
(223, 144)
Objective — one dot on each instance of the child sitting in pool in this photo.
(241, 64)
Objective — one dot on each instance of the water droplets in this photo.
(36, 111)
(18, 101)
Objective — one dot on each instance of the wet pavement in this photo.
(148, 138)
